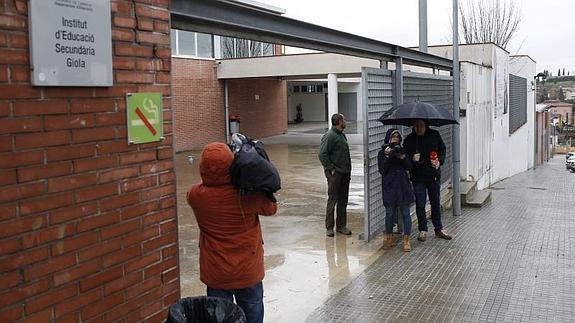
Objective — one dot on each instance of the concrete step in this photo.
(467, 189)
(478, 199)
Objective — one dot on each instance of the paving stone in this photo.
(511, 261)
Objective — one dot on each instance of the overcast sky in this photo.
(546, 33)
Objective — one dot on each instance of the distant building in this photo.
(561, 111)
(544, 143)
(569, 93)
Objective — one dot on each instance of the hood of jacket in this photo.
(215, 163)
(388, 135)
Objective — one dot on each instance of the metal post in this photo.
(398, 97)
(398, 100)
(423, 26)
(227, 111)
(554, 140)
(536, 139)
(456, 201)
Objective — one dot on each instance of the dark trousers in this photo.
(338, 192)
(390, 215)
(250, 299)
(433, 190)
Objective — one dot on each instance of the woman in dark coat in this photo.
(397, 190)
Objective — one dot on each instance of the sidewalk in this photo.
(513, 260)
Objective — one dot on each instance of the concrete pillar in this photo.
(331, 97)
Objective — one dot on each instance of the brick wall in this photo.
(263, 117)
(198, 103)
(88, 225)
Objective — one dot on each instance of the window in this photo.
(188, 43)
(308, 88)
(174, 41)
(239, 48)
(205, 45)
(242, 48)
(255, 48)
(267, 49)
(518, 102)
(227, 44)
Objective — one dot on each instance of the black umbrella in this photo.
(406, 114)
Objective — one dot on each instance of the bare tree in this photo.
(492, 21)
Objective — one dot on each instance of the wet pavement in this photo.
(303, 267)
(512, 261)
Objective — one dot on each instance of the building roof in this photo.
(463, 45)
(557, 104)
(523, 55)
(258, 6)
(541, 107)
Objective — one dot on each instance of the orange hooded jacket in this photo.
(231, 245)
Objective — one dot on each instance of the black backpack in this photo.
(252, 170)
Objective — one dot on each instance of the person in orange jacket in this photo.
(231, 244)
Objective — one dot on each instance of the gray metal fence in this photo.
(378, 96)
(437, 90)
(517, 102)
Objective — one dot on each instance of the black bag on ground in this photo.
(205, 309)
(252, 170)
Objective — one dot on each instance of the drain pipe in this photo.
(227, 111)
(456, 200)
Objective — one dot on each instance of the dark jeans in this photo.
(338, 192)
(433, 190)
(390, 219)
(250, 299)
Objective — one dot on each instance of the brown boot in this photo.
(406, 243)
(388, 242)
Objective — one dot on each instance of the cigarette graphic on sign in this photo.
(144, 117)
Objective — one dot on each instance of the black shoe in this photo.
(329, 233)
(345, 231)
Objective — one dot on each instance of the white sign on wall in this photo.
(70, 42)
(501, 64)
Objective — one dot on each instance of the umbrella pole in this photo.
(456, 200)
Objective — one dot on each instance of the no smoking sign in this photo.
(145, 122)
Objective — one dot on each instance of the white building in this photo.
(497, 112)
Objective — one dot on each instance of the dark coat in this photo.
(334, 152)
(424, 145)
(397, 189)
(231, 244)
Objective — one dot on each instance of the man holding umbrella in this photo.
(427, 151)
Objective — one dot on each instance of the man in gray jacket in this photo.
(336, 160)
